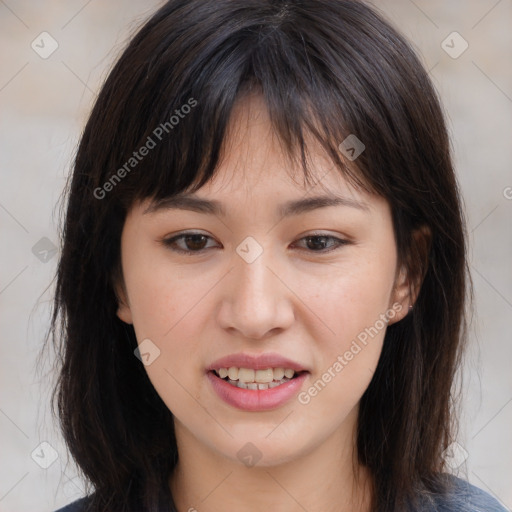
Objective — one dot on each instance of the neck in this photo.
(326, 478)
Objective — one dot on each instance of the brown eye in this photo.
(188, 243)
(323, 243)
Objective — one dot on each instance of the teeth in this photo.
(278, 373)
(264, 376)
(249, 376)
(245, 375)
(256, 385)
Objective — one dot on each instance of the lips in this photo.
(255, 400)
(264, 394)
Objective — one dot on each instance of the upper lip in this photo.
(256, 362)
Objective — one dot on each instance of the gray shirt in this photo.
(464, 498)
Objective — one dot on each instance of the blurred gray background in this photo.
(54, 57)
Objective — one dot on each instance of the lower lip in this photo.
(256, 399)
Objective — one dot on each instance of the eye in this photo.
(193, 242)
(318, 242)
(190, 243)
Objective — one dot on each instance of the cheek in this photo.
(347, 298)
(169, 309)
(350, 305)
(163, 297)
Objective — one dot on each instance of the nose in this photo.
(256, 301)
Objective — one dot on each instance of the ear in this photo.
(410, 275)
(124, 312)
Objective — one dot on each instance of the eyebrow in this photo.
(287, 209)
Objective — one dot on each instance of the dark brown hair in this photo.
(325, 68)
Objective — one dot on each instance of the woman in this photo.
(260, 300)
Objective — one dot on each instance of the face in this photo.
(261, 315)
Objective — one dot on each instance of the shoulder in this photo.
(464, 497)
(79, 505)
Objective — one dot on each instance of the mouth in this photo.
(260, 379)
(252, 390)
(256, 382)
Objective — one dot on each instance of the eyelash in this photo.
(339, 242)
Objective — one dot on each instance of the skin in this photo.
(294, 300)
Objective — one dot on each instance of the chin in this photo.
(262, 450)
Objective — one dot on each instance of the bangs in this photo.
(173, 118)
